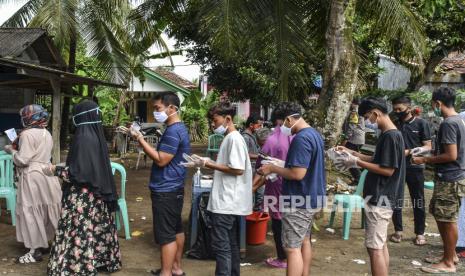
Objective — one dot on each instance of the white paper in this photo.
(11, 133)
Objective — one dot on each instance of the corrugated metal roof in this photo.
(13, 41)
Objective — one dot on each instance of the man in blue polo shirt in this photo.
(304, 187)
(167, 182)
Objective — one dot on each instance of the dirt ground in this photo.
(332, 255)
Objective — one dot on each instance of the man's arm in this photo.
(449, 155)
(375, 168)
(160, 158)
(293, 173)
(361, 156)
(223, 168)
(258, 181)
(253, 156)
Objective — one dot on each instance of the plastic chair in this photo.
(429, 185)
(214, 142)
(123, 208)
(349, 203)
(151, 139)
(7, 187)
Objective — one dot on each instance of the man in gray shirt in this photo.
(252, 124)
(449, 186)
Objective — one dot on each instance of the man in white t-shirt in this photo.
(231, 195)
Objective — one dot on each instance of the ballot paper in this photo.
(11, 133)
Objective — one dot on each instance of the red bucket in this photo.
(256, 228)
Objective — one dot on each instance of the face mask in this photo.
(402, 115)
(288, 130)
(161, 117)
(86, 123)
(371, 125)
(220, 130)
(437, 111)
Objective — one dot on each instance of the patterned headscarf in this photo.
(34, 116)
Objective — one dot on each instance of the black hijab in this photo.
(88, 158)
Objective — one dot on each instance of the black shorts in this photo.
(166, 211)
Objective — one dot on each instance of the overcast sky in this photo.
(183, 67)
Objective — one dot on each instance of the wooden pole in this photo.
(56, 119)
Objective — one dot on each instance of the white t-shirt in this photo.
(232, 194)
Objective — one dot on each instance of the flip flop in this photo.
(436, 260)
(158, 271)
(432, 270)
(395, 238)
(419, 241)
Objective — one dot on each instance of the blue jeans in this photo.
(225, 244)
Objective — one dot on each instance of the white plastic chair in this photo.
(152, 140)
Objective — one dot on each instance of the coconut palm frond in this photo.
(103, 44)
(398, 25)
(59, 18)
(23, 15)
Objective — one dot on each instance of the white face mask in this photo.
(220, 130)
(288, 130)
(371, 125)
(161, 116)
(87, 123)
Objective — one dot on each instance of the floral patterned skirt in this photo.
(86, 237)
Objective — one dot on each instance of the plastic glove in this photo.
(9, 149)
(48, 170)
(135, 133)
(274, 161)
(350, 161)
(418, 151)
(194, 161)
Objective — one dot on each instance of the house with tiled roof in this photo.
(156, 80)
(450, 72)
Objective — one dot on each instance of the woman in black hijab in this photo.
(86, 238)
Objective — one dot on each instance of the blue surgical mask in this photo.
(97, 109)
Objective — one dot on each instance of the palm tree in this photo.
(103, 27)
(295, 29)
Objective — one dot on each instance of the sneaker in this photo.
(276, 263)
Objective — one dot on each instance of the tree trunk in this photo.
(69, 90)
(122, 99)
(340, 72)
(436, 57)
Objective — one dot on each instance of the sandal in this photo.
(419, 240)
(396, 238)
(436, 260)
(158, 271)
(434, 270)
(29, 258)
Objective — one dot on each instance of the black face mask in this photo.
(402, 115)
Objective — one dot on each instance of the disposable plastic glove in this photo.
(135, 133)
(274, 161)
(350, 161)
(418, 151)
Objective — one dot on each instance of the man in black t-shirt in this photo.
(417, 139)
(449, 186)
(384, 181)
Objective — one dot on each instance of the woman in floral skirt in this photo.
(86, 238)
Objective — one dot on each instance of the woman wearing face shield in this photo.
(86, 238)
(38, 195)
